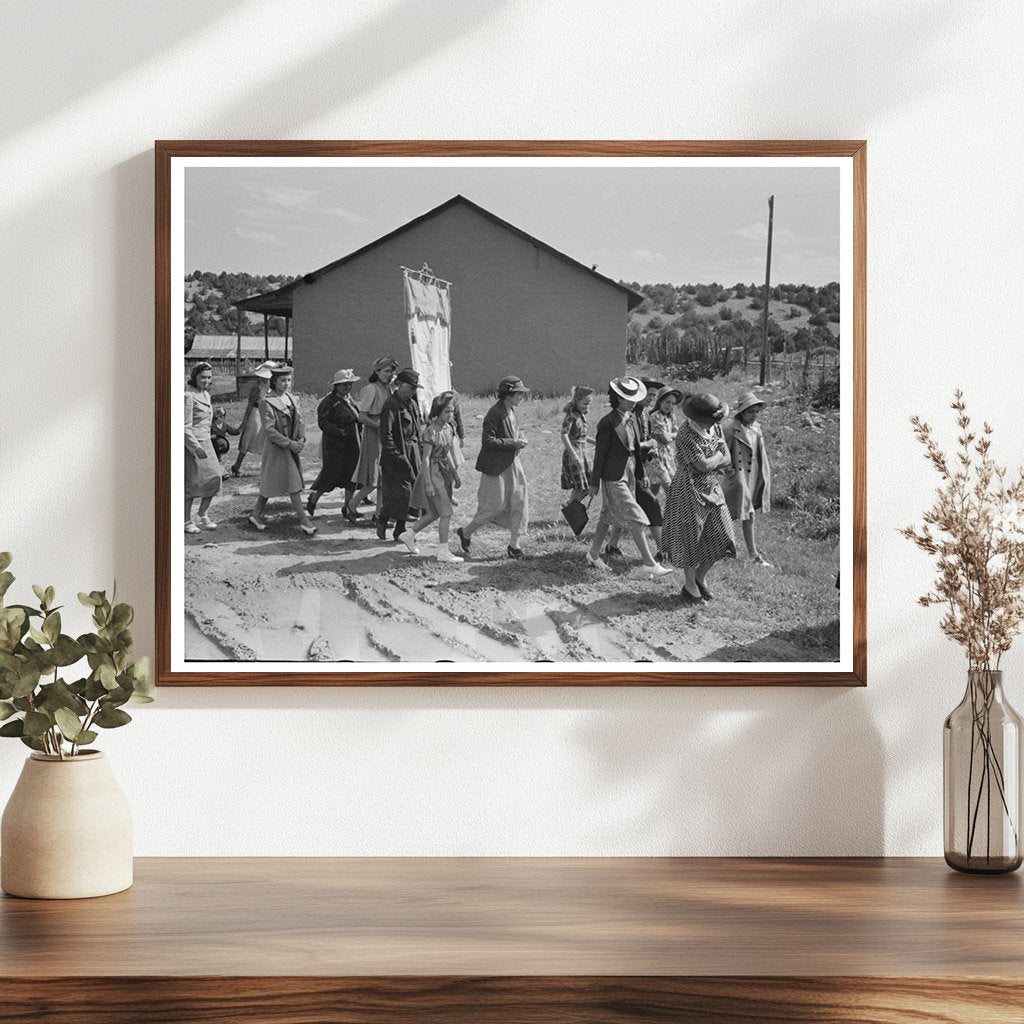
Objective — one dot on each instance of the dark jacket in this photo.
(400, 428)
(610, 454)
(498, 446)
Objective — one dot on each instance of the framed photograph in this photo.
(492, 413)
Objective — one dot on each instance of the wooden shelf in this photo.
(572, 941)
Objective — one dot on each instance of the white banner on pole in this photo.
(428, 311)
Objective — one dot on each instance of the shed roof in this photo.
(279, 302)
(224, 346)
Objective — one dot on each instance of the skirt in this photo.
(649, 503)
(367, 471)
(440, 502)
(575, 477)
(503, 500)
(202, 476)
(340, 458)
(697, 532)
(250, 442)
(619, 506)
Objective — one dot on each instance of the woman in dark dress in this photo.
(339, 421)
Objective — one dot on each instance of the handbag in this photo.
(575, 514)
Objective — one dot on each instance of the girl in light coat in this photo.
(284, 438)
(748, 482)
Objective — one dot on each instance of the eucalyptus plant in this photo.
(45, 711)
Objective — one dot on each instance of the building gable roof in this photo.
(279, 302)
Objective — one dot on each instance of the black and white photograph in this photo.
(484, 414)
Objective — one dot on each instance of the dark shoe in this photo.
(352, 517)
(514, 552)
(382, 529)
(705, 593)
(690, 599)
(311, 508)
(463, 540)
(235, 471)
(661, 557)
(611, 551)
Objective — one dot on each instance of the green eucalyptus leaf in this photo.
(107, 676)
(122, 615)
(36, 723)
(51, 626)
(14, 728)
(6, 710)
(22, 703)
(89, 600)
(59, 695)
(111, 718)
(87, 736)
(142, 678)
(31, 741)
(69, 724)
(94, 689)
(50, 594)
(5, 560)
(141, 698)
(13, 626)
(115, 698)
(40, 593)
(6, 579)
(27, 681)
(38, 636)
(67, 650)
(98, 647)
(9, 663)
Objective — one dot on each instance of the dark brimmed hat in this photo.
(651, 384)
(379, 364)
(581, 391)
(409, 376)
(747, 400)
(704, 408)
(512, 386)
(629, 388)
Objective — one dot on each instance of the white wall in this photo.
(936, 89)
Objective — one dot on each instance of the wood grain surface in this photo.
(503, 940)
(166, 150)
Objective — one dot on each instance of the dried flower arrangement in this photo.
(975, 529)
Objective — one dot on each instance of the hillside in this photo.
(702, 329)
(210, 302)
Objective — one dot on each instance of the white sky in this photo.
(680, 225)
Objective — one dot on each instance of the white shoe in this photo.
(597, 563)
(206, 523)
(191, 527)
(409, 540)
(658, 569)
(444, 555)
(257, 523)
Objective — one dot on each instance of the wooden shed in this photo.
(518, 306)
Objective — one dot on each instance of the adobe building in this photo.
(518, 306)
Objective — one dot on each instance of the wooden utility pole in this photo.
(238, 348)
(266, 337)
(767, 291)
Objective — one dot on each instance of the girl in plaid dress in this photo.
(575, 463)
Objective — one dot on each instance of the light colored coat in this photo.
(282, 469)
(748, 482)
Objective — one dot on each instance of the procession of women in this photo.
(679, 474)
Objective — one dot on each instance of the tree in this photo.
(739, 290)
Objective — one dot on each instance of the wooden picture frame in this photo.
(174, 158)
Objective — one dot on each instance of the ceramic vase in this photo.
(66, 831)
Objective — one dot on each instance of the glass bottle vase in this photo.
(981, 746)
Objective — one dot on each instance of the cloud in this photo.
(258, 236)
(347, 215)
(646, 254)
(288, 196)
